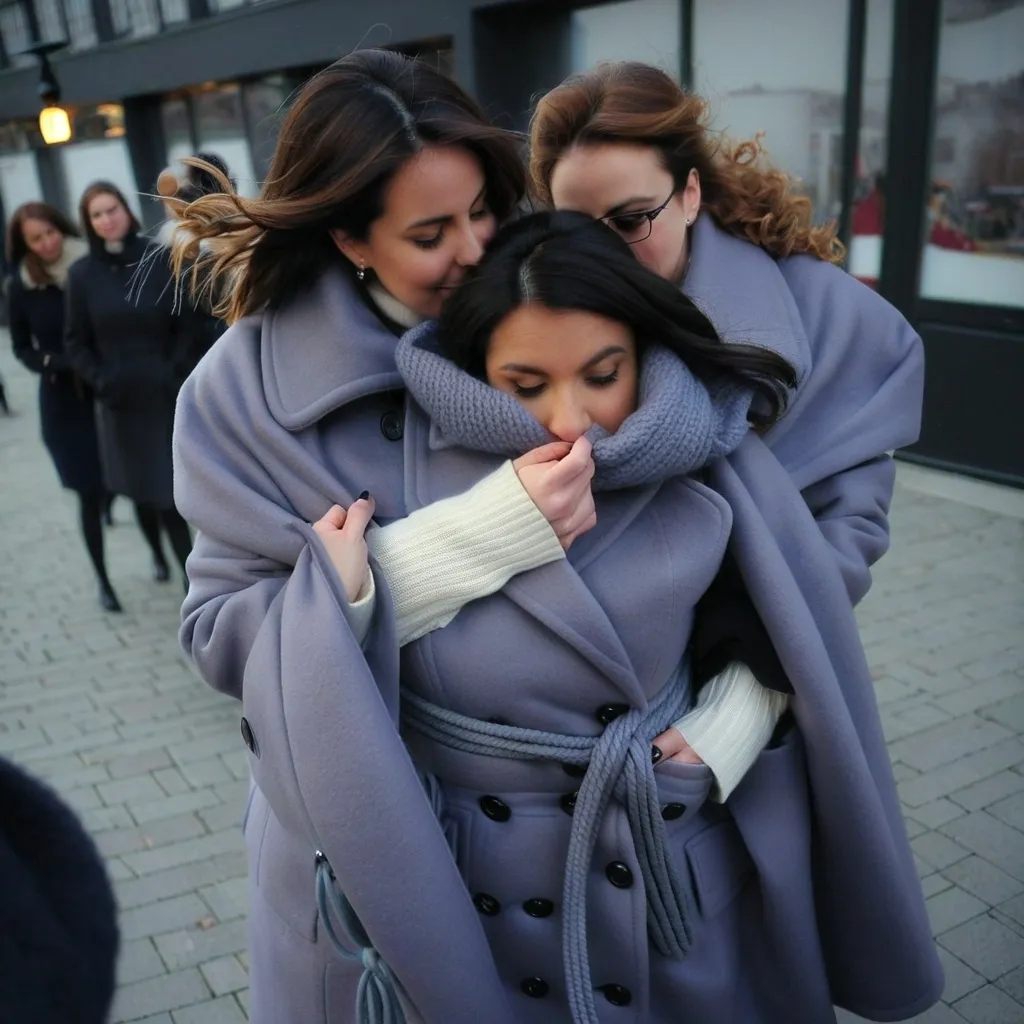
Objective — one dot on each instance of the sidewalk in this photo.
(105, 707)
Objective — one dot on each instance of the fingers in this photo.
(359, 515)
(673, 747)
(578, 462)
(546, 453)
(333, 519)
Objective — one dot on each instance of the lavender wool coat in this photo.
(294, 411)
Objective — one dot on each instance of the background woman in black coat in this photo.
(128, 339)
(42, 245)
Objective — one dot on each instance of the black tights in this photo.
(90, 515)
(151, 519)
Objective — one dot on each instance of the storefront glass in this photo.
(643, 30)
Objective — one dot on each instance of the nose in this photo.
(470, 247)
(568, 420)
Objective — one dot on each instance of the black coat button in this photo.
(672, 811)
(486, 904)
(619, 874)
(250, 740)
(535, 988)
(539, 908)
(617, 995)
(495, 809)
(607, 713)
(575, 771)
(568, 801)
(391, 426)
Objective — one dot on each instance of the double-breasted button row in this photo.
(607, 713)
(391, 425)
(490, 906)
(619, 874)
(617, 995)
(535, 988)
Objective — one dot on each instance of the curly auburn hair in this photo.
(639, 104)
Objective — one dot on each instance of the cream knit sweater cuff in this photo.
(460, 549)
(732, 722)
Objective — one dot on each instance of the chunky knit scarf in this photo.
(680, 425)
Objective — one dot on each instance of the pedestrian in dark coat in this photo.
(129, 339)
(43, 246)
(58, 925)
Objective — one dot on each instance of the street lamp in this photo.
(54, 123)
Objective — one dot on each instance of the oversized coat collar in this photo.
(328, 347)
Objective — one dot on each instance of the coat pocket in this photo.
(285, 874)
(720, 866)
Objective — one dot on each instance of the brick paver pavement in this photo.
(105, 707)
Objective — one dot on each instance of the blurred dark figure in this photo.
(127, 337)
(42, 245)
(58, 925)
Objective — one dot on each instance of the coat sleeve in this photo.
(21, 329)
(860, 401)
(79, 340)
(265, 620)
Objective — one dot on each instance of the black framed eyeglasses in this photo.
(636, 227)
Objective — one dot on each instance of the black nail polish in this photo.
(363, 496)
(656, 754)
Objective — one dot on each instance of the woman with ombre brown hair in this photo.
(626, 145)
(386, 183)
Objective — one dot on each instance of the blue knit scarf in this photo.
(680, 425)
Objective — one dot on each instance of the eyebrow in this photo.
(611, 350)
(444, 218)
(629, 202)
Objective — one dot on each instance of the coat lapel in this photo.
(554, 595)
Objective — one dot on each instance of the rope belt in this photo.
(618, 763)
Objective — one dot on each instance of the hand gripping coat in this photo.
(802, 888)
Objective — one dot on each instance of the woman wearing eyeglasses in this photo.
(626, 145)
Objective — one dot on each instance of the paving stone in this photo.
(224, 975)
(989, 1005)
(984, 880)
(188, 948)
(186, 852)
(219, 1011)
(978, 695)
(137, 961)
(958, 774)
(988, 791)
(135, 891)
(949, 742)
(156, 995)
(172, 782)
(935, 849)
(1010, 810)
(953, 907)
(1013, 984)
(227, 900)
(937, 813)
(169, 806)
(985, 945)
(165, 916)
(138, 788)
(209, 772)
(150, 837)
(1014, 908)
(989, 838)
(934, 883)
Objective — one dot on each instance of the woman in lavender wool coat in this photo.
(348, 833)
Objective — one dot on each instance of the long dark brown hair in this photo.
(565, 260)
(639, 104)
(18, 252)
(351, 127)
(103, 188)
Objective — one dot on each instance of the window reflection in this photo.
(974, 248)
(16, 34)
(220, 126)
(778, 70)
(643, 30)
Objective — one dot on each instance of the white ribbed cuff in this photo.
(731, 724)
(460, 549)
(359, 612)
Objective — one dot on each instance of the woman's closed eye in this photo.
(536, 390)
(435, 240)
(627, 222)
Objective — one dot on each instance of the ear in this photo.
(691, 195)
(352, 251)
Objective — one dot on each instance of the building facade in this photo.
(901, 119)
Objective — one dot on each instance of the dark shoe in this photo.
(161, 573)
(108, 599)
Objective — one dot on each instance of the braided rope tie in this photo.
(618, 763)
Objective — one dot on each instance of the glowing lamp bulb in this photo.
(54, 125)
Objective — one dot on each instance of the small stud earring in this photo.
(361, 272)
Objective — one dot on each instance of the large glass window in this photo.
(974, 245)
(778, 71)
(135, 18)
(99, 151)
(265, 102)
(643, 30)
(81, 24)
(177, 129)
(867, 219)
(19, 176)
(220, 126)
(17, 35)
(50, 19)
